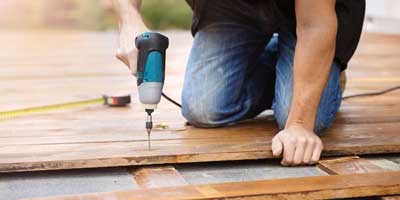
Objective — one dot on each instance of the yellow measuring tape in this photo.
(106, 100)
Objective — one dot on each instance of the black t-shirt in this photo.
(281, 14)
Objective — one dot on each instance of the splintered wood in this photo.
(103, 137)
(157, 177)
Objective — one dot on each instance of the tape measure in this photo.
(112, 101)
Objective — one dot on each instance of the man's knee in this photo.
(326, 115)
(281, 112)
(201, 114)
(323, 123)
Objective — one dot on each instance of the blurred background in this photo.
(97, 15)
(88, 14)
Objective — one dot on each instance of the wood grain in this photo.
(321, 187)
(204, 145)
(348, 165)
(396, 197)
(42, 73)
(158, 176)
(351, 165)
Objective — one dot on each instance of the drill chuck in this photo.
(149, 121)
(149, 125)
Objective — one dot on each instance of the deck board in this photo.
(158, 177)
(97, 136)
(351, 165)
(319, 187)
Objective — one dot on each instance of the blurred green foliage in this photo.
(157, 14)
(165, 14)
(90, 14)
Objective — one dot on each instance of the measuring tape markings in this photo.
(112, 101)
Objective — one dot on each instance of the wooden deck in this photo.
(350, 177)
(46, 68)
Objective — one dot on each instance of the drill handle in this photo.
(151, 57)
(141, 63)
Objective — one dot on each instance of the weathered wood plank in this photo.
(68, 128)
(104, 137)
(351, 165)
(158, 177)
(396, 197)
(322, 187)
(217, 145)
(348, 165)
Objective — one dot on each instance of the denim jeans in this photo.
(235, 73)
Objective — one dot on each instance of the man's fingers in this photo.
(132, 60)
(276, 146)
(309, 151)
(288, 151)
(317, 152)
(129, 59)
(299, 151)
(122, 57)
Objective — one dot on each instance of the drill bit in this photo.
(149, 126)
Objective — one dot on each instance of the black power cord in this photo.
(372, 93)
(344, 98)
(171, 100)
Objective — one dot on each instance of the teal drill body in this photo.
(150, 72)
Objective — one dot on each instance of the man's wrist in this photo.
(301, 114)
(298, 123)
(306, 122)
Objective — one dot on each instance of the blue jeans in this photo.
(235, 73)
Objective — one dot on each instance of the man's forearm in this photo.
(130, 25)
(315, 48)
(128, 11)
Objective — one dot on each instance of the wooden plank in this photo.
(105, 137)
(348, 165)
(320, 187)
(206, 145)
(351, 165)
(158, 176)
(382, 112)
(391, 197)
(66, 127)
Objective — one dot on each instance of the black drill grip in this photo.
(145, 43)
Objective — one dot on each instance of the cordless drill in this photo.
(150, 72)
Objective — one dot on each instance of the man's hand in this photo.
(127, 51)
(298, 145)
(316, 28)
(130, 26)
